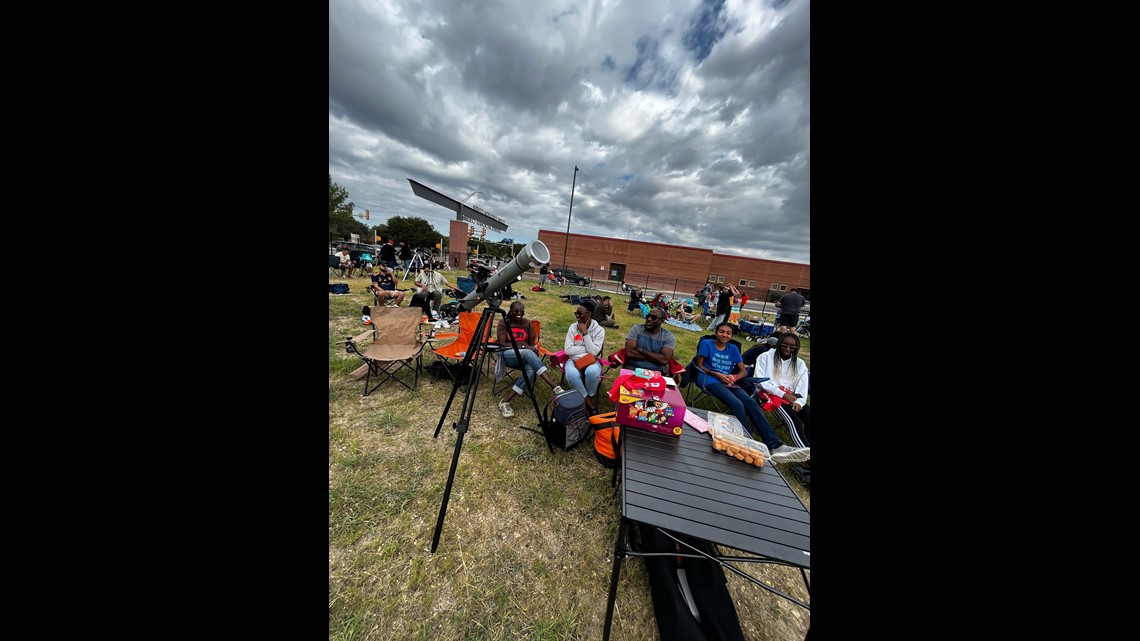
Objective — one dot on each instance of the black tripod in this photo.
(479, 353)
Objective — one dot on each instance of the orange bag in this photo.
(606, 435)
(584, 361)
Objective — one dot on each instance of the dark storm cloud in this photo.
(690, 120)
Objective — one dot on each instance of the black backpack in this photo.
(448, 371)
(449, 311)
(565, 420)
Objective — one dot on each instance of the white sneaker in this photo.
(505, 408)
(788, 454)
(558, 389)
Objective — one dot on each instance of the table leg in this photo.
(619, 554)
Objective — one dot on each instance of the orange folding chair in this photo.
(455, 350)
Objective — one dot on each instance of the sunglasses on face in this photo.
(653, 317)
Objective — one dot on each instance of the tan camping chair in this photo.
(395, 345)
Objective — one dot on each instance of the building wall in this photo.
(593, 254)
(766, 273)
(457, 243)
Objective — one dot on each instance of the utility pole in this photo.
(570, 213)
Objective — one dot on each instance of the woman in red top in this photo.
(523, 331)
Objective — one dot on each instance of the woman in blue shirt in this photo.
(719, 368)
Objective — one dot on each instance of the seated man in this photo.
(345, 263)
(384, 285)
(650, 345)
(432, 283)
(604, 313)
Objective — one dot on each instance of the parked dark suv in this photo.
(570, 275)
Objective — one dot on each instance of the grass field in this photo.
(527, 543)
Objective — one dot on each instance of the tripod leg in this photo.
(460, 427)
(530, 390)
(465, 413)
(417, 261)
(472, 349)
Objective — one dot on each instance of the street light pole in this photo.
(570, 213)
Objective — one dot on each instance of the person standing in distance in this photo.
(790, 305)
(405, 254)
(723, 305)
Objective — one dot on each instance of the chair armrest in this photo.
(362, 336)
(675, 367)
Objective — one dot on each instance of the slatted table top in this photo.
(682, 484)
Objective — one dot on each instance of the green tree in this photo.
(416, 232)
(341, 222)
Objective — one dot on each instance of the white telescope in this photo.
(533, 254)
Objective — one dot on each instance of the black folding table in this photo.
(680, 484)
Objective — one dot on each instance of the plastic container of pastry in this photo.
(731, 439)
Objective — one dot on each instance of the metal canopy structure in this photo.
(462, 211)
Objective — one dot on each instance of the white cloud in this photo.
(506, 98)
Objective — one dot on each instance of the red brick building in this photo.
(635, 261)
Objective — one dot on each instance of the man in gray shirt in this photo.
(790, 305)
(650, 345)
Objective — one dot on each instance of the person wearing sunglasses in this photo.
(649, 345)
(721, 373)
(785, 369)
(584, 338)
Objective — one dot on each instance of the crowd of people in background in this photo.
(721, 369)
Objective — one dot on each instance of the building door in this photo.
(617, 272)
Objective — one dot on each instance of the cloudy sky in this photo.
(689, 120)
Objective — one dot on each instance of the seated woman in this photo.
(719, 367)
(523, 331)
(584, 339)
(787, 380)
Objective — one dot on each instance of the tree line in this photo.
(412, 230)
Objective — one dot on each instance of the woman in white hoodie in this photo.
(584, 338)
(788, 380)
